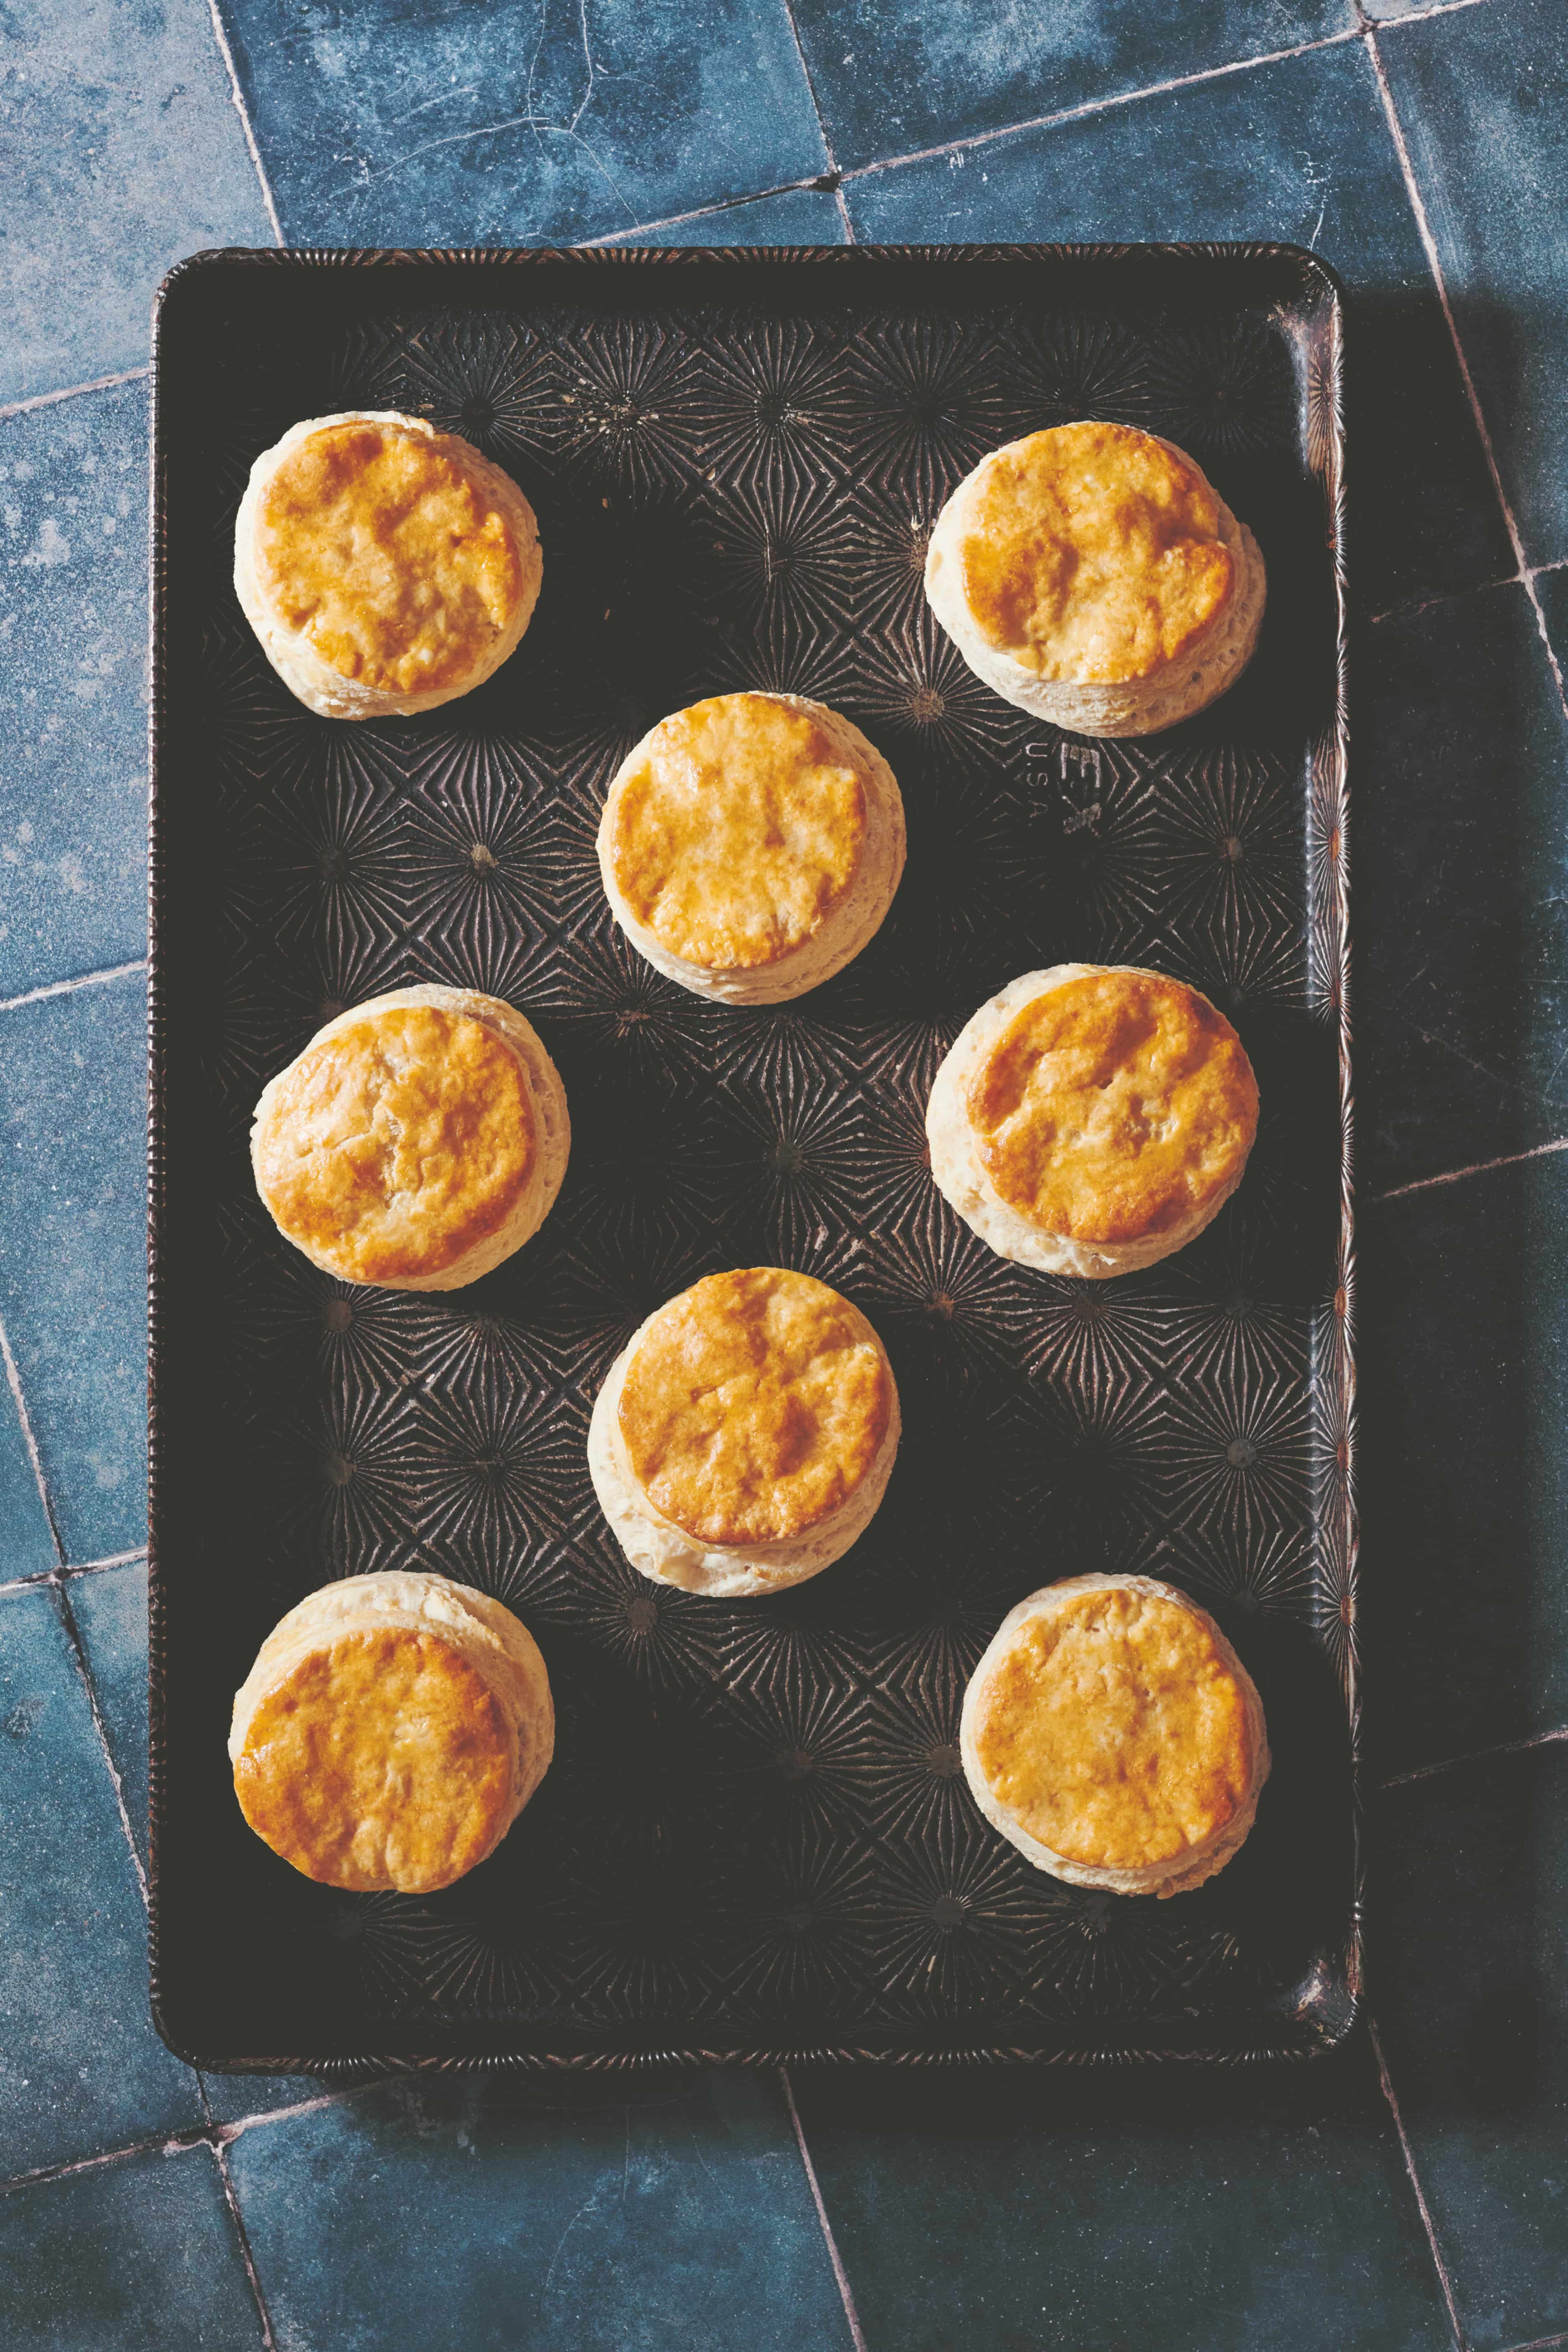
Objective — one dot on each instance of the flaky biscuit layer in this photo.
(390, 1730)
(340, 1108)
(1128, 1731)
(373, 551)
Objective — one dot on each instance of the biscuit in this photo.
(1092, 1119)
(1092, 575)
(1113, 1736)
(751, 845)
(385, 567)
(420, 1138)
(745, 1435)
(391, 1731)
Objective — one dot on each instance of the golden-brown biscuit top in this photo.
(1114, 1731)
(755, 1404)
(738, 831)
(1092, 554)
(380, 1759)
(377, 544)
(398, 1143)
(1113, 1107)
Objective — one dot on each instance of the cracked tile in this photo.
(519, 125)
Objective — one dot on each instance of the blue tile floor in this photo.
(1412, 2192)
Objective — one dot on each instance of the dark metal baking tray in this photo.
(755, 1841)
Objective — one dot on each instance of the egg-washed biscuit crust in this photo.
(754, 1405)
(379, 1761)
(1114, 1106)
(396, 1143)
(381, 545)
(1114, 1731)
(390, 1731)
(1093, 553)
(737, 828)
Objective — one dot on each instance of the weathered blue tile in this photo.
(1299, 151)
(27, 1548)
(890, 80)
(1463, 1478)
(1482, 98)
(133, 2257)
(110, 1612)
(72, 1256)
(1460, 853)
(73, 698)
(796, 217)
(119, 150)
(1061, 2215)
(680, 2217)
(81, 2067)
(232, 2098)
(1471, 1995)
(518, 124)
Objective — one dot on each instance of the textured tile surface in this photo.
(1461, 843)
(1483, 100)
(1031, 2214)
(1299, 151)
(73, 699)
(27, 1548)
(110, 1612)
(798, 217)
(891, 80)
(1472, 1991)
(72, 1257)
(80, 2067)
(1464, 1388)
(518, 124)
(119, 150)
(133, 2257)
(681, 2218)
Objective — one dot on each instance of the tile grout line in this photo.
(242, 2235)
(1103, 105)
(211, 2134)
(856, 2333)
(1417, 605)
(1474, 1756)
(237, 100)
(67, 987)
(55, 1581)
(72, 392)
(60, 1575)
(1434, 263)
(816, 186)
(1444, 2281)
(1458, 1175)
(14, 1380)
(832, 170)
(46, 2174)
(79, 1646)
(220, 2156)
(1415, 15)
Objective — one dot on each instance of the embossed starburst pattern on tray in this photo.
(756, 1835)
